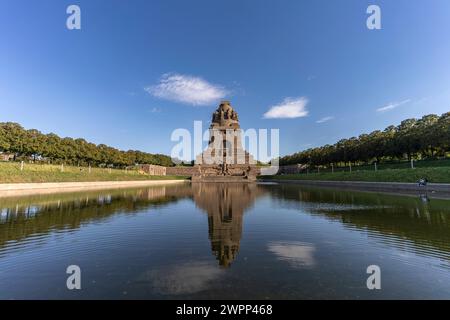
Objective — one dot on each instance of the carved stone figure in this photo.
(215, 117)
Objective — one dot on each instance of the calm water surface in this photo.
(224, 241)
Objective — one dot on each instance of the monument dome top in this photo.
(225, 116)
(225, 106)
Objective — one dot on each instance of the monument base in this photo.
(227, 173)
(222, 179)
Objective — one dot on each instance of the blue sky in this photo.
(137, 70)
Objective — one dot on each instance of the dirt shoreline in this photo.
(23, 189)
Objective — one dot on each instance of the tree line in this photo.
(32, 144)
(425, 138)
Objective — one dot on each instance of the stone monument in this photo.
(225, 158)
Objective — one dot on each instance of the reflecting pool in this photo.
(224, 241)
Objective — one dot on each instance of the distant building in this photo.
(6, 156)
(152, 170)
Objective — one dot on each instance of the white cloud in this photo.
(187, 89)
(289, 108)
(325, 119)
(185, 278)
(392, 105)
(297, 254)
(155, 110)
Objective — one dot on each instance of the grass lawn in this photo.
(10, 173)
(434, 175)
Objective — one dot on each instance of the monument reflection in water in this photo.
(224, 241)
(225, 205)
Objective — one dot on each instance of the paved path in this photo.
(19, 189)
(391, 187)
